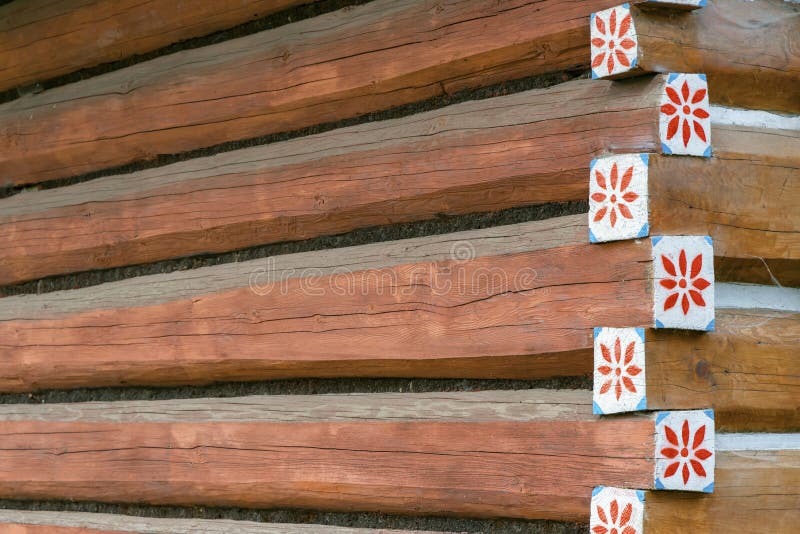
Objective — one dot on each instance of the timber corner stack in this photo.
(627, 294)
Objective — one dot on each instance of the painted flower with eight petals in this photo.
(620, 370)
(615, 197)
(618, 523)
(686, 455)
(614, 42)
(688, 107)
(685, 287)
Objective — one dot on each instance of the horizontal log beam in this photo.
(540, 304)
(38, 522)
(540, 466)
(528, 148)
(65, 36)
(744, 197)
(762, 75)
(747, 370)
(318, 70)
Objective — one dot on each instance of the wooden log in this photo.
(67, 35)
(744, 197)
(761, 75)
(38, 522)
(318, 70)
(527, 148)
(538, 305)
(540, 466)
(747, 370)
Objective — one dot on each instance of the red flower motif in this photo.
(681, 283)
(619, 522)
(619, 375)
(687, 108)
(615, 41)
(616, 198)
(685, 454)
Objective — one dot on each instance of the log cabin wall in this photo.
(351, 267)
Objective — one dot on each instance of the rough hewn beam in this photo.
(42, 39)
(528, 148)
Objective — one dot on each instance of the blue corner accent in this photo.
(659, 485)
(660, 416)
(645, 158)
(642, 404)
(672, 76)
(709, 488)
(709, 413)
(710, 326)
(633, 63)
(659, 324)
(665, 149)
(592, 16)
(640, 495)
(626, 6)
(644, 230)
(592, 238)
(597, 330)
(709, 240)
(597, 489)
(596, 409)
(592, 164)
(707, 153)
(640, 331)
(703, 77)
(594, 75)
(656, 238)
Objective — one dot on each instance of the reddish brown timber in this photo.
(537, 305)
(487, 464)
(762, 74)
(42, 39)
(528, 148)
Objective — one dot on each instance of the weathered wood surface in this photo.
(538, 468)
(342, 64)
(413, 318)
(761, 74)
(37, 522)
(528, 148)
(42, 39)
(747, 370)
(755, 491)
(745, 197)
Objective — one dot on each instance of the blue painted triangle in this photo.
(642, 404)
(665, 149)
(640, 331)
(709, 413)
(633, 63)
(709, 240)
(645, 158)
(597, 489)
(592, 238)
(703, 76)
(640, 495)
(644, 230)
(659, 324)
(626, 6)
(594, 75)
(656, 238)
(707, 153)
(596, 409)
(709, 488)
(596, 332)
(659, 485)
(592, 164)
(672, 76)
(660, 416)
(711, 326)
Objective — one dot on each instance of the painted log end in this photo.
(617, 509)
(685, 451)
(614, 44)
(684, 122)
(619, 370)
(618, 198)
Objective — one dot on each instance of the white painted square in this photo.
(683, 293)
(685, 454)
(684, 117)
(619, 370)
(618, 198)
(617, 510)
(614, 44)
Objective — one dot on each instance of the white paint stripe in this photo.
(757, 442)
(751, 296)
(754, 118)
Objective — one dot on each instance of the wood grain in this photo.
(541, 305)
(42, 39)
(761, 75)
(37, 522)
(747, 370)
(342, 64)
(745, 197)
(487, 155)
(755, 491)
(543, 468)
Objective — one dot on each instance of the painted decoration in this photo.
(685, 454)
(616, 511)
(619, 370)
(618, 199)
(614, 44)
(683, 293)
(684, 117)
